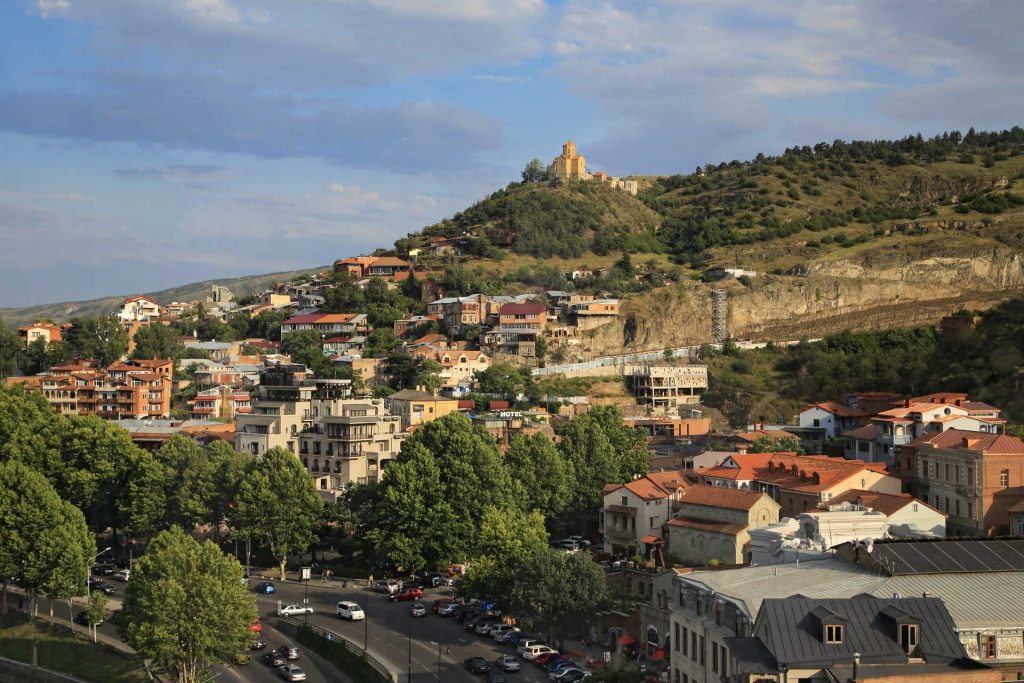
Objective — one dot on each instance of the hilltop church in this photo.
(570, 165)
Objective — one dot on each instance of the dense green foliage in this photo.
(186, 606)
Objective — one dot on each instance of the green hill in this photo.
(771, 212)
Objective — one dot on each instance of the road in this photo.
(317, 670)
(394, 637)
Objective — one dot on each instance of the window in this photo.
(676, 633)
(958, 507)
(654, 522)
(625, 500)
(702, 659)
(833, 634)
(693, 646)
(1004, 478)
(685, 641)
(714, 657)
(956, 474)
(817, 422)
(908, 637)
(970, 510)
(948, 476)
(988, 647)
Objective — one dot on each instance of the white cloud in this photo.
(218, 11)
(50, 7)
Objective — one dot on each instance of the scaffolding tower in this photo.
(719, 315)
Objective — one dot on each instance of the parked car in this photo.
(293, 610)
(350, 610)
(291, 672)
(290, 651)
(566, 544)
(500, 631)
(83, 619)
(561, 674)
(496, 677)
(407, 594)
(544, 658)
(533, 652)
(466, 612)
(436, 606)
(256, 626)
(447, 580)
(264, 587)
(559, 664)
(101, 586)
(525, 643)
(574, 676)
(507, 663)
(274, 658)
(477, 665)
(103, 570)
(583, 541)
(484, 626)
(258, 645)
(122, 574)
(418, 610)
(448, 609)
(386, 586)
(517, 637)
(506, 637)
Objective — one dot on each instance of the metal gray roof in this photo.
(948, 555)
(825, 578)
(794, 635)
(980, 600)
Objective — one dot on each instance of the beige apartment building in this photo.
(349, 441)
(280, 411)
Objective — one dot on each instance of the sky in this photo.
(150, 144)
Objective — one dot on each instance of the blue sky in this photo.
(149, 144)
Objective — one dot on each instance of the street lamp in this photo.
(409, 664)
(305, 600)
(88, 575)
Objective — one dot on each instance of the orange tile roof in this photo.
(838, 409)
(722, 497)
(830, 471)
(984, 442)
(868, 432)
(758, 433)
(886, 503)
(646, 489)
(670, 480)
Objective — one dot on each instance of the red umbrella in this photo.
(627, 640)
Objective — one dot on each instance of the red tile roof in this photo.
(829, 470)
(867, 432)
(985, 442)
(722, 497)
(886, 503)
(758, 433)
(838, 409)
(311, 318)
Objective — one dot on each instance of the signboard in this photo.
(305, 573)
(607, 657)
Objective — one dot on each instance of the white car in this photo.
(291, 672)
(293, 610)
(350, 610)
(531, 653)
(122, 574)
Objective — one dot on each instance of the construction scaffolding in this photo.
(719, 315)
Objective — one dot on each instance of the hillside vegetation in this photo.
(987, 363)
(772, 211)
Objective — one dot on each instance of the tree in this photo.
(502, 378)
(10, 349)
(540, 474)
(542, 347)
(277, 502)
(227, 467)
(102, 339)
(158, 341)
(400, 367)
(186, 606)
(96, 610)
(534, 172)
(188, 481)
(428, 375)
(508, 538)
(44, 537)
(36, 357)
(770, 444)
(556, 592)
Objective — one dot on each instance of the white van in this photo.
(350, 611)
(534, 651)
(527, 642)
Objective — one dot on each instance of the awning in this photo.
(627, 640)
(659, 653)
(649, 540)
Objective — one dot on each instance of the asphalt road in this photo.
(396, 638)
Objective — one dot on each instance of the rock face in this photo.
(874, 291)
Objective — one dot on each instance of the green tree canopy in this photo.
(46, 543)
(507, 539)
(158, 341)
(186, 606)
(769, 444)
(540, 474)
(277, 502)
(534, 171)
(10, 350)
(503, 378)
(101, 339)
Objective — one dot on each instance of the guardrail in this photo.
(339, 650)
(610, 361)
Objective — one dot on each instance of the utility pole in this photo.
(409, 662)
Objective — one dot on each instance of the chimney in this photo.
(856, 666)
(926, 594)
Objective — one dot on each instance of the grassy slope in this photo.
(60, 651)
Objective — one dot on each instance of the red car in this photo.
(546, 658)
(256, 626)
(407, 594)
(436, 605)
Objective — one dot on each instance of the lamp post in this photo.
(439, 661)
(366, 633)
(409, 662)
(305, 599)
